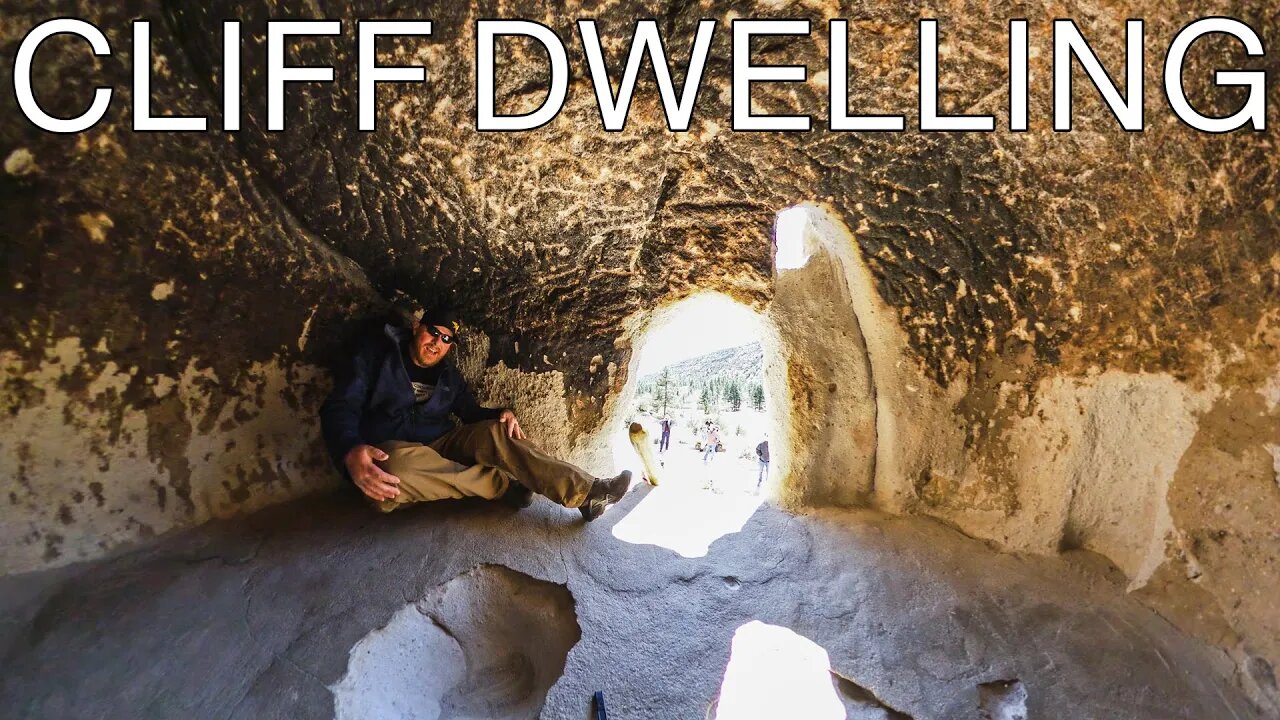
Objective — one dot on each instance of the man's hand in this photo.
(370, 478)
(508, 419)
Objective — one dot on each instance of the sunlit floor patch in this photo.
(775, 672)
(686, 519)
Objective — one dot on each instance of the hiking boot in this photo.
(605, 493)
(517, 496)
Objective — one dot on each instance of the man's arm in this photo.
(340, 423)
(340, 414)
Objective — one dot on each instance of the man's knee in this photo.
(397, 462)
(476, 436)
(495, 429)
(400, 465)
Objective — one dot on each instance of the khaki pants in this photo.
(478, 460)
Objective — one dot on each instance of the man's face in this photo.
(429, 348)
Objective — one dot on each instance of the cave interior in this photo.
(1025, 385)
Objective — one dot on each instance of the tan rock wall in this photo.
(825, 379)
(166, 323)
(1174, 482)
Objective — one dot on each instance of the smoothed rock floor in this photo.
(258, 618)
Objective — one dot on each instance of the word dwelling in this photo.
(1069, 48)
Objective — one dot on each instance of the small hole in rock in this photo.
(1002, 700)
(487, 644)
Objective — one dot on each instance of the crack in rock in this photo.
(862, 704)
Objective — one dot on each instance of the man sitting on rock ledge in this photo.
(387, 423)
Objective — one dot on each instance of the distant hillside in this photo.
(744, 363)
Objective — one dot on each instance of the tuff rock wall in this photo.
(1072, 340)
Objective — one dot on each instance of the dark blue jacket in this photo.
(372, 400)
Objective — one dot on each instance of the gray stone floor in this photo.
(258, 618)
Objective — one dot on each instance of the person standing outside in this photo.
(665, 442)
(713, 441)
(762, 455)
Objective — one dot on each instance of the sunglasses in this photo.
(444, 337)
